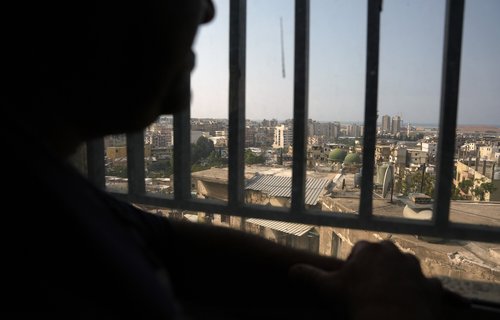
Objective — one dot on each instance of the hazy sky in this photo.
(410, 61)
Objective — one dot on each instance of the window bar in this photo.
(236, 143)
(448, 116)
(371, 96)
(300, 101)
(461, 231)
(95, 162)
(135, 163)
(182, 148)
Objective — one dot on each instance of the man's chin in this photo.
(179, 98)
(176, 103)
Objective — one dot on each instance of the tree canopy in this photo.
(201, 149)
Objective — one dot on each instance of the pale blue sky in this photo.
(410, 61)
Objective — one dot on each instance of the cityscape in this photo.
(404, 177)
(332, 147)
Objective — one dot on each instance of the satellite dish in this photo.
(388, 179)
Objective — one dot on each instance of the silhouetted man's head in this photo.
(101, 66)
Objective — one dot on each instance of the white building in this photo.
(430, 148)
(488, 152)
(416, 157)
(283, 136)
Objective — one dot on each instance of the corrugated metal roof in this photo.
(296, 229)
(279, 186)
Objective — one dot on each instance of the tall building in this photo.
(354, 130)
(283, 136)
(396, 124)
(386, 124)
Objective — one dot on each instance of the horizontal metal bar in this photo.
(333, 219)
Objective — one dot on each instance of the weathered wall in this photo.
(460, 260)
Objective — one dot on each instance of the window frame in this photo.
(439, 226)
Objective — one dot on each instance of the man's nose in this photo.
(208, 10)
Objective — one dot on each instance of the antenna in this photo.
(282, 49)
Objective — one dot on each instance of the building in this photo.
(386, 124)
(114, 153)
(283, 136)
(448, 261)
(396, 125)
(354, 130)
(382, 153)
(487, 172)
(431, 149)
(489, 152)
(416, 157)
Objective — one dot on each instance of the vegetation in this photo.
(117, 171)
(160, 169)
(466, 185)
(204, 156)
(201, 149)
(252, 158)
(467, 188)
(479, 191)
(417, 182)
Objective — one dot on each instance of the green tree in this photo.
(160, 169)
(252, 158)
(412, 182)
(214, 159)
(117, 171)
(201, 149)
(466, 185)
(479, 191)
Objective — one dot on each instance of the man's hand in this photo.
(376, 282)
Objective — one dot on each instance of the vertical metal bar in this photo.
(448, 116)
(95, 162)
(237, 60)
(182, 150)
(371, 96)
(135, 163)
(300, 104)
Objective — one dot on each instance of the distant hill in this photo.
(478, 129)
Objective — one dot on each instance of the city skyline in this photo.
(411, 44)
